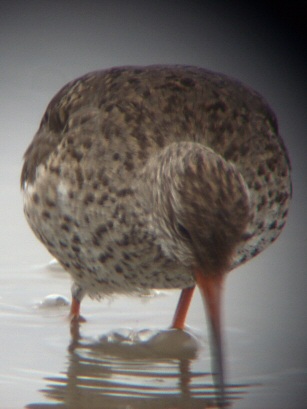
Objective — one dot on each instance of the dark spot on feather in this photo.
(87, 143)
(103, 199)
(103, 257)
(184, 232)
(254, 252)
(146, 94)
(76, 155)
(129, 165)
(55, 169)
(284, 214)
(124, 192)
(80, 178)
(35, 198)
(46, 214)
(109, 107)
(95, 241)
(89, 198)
(118, 269)
(187, 82)
(124, 241)
(50, 203)
(257, 185)
(101, 229)
(126, 256)
(261, 170)
(67, 219)
(76, 239)
(281, 197)
(65, 227)
(273, 225)
(133, 81)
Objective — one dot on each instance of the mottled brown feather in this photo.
(201, 146)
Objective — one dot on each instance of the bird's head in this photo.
(199, 204)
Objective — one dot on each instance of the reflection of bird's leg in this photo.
(185, 378)
(75, 335)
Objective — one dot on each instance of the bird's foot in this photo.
(76, 319)
(74, 315)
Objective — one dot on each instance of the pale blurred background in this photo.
(43, 45)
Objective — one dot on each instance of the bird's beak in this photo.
(211, 290)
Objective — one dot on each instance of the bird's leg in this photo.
(76, 319)
(182, 307)
(211, 290)
(77, 295)
(74, 309)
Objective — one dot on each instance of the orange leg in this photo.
(75, 311)
(182, 307)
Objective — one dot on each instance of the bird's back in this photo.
(114, 120)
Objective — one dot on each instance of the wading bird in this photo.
(156, 177)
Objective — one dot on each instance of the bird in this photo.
(157, 177)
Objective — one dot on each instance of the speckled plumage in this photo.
(138, 174)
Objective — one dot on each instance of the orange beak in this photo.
(211, 290)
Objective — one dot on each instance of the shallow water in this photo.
(112, 360)
(96, 365)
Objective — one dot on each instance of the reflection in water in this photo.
(133, 370)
